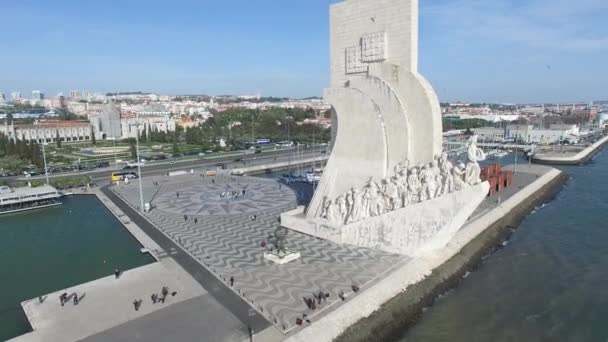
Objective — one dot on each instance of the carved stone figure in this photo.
(376, 202)
(429, 186)
(355, 213)
(367, 200)
(333, 213)
(446, 173)
(437, 178)
(349, 205)
(414, 186)
(342, 212)
(325, 208)
(474, 156)
(391, 192)
(401, 183)
(458, 174)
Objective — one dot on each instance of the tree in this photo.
(57, 138)
(133, 150)
(93, 140)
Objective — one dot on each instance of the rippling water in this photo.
(49, 249)
(550, 283)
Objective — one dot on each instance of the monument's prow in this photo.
(386, 184)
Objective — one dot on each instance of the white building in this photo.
(131, 125)
(47, 131)
(37, 95)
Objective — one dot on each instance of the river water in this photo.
(50, 249)
(549, 283)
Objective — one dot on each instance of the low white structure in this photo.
(48, 131)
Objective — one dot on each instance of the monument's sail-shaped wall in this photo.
(386, 184)
(385, 112)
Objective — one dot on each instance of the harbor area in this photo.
(569, 155)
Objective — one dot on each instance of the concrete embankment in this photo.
(385, 310)
(278, 166)
(573, 158)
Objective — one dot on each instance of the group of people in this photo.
(317, 299)
(65, 298)
(232, 194)
(155, 297)
(406, 187)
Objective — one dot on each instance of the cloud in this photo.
(544, 24)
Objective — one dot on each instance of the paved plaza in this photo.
(228, 242)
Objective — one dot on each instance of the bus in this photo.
(122, 175)
(262, 141)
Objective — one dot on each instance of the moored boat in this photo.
(27, 198)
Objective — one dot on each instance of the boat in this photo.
(289, 178)
(501, 154)
(14, 200)
(314, 176)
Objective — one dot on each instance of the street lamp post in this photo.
(46, 169)
(141, 193)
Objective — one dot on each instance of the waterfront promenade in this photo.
(106, 307)
(570, 155)
(227, 242)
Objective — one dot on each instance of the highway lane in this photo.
(207, 162)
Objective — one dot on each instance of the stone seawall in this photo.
(581, 158)
(402, 311)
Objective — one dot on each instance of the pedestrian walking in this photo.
(154, 298)
(195, 220)
(75, 298)
(177, 194)
(231, 281)
(185, 217)
(116, 274)
(63, 298)
(165, 291)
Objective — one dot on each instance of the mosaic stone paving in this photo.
(228, 242)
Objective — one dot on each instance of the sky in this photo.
(506, 51)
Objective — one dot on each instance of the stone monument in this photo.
(279, 254)
(386, 184)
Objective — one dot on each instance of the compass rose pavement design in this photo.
(204, 199)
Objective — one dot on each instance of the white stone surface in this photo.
(277, 259)
(415, 230)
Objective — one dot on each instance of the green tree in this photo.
(93, 139)
(57, 138)
(133, 150)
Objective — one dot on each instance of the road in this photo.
(207, 162)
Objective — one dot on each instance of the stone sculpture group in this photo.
(407, 186)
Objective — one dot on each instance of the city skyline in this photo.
(504, 51)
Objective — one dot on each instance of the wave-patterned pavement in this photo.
(228, 242)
